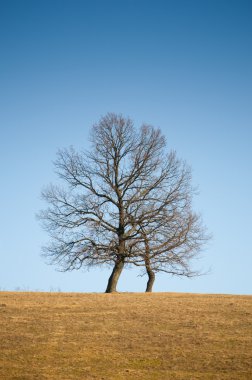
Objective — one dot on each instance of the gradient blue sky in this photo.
(183, 66)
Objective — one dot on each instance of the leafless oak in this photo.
(126, 202)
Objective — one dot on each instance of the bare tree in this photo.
(171, 249)
(170, 235)
(123, 186)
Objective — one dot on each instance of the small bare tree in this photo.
(170, 234)
(171, 249)
(123, 186)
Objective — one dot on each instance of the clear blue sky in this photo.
(183, 66)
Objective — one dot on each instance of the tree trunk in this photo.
(150, 272)
(119, 264)
(151, 280)
(114, 277)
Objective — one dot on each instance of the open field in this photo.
(69, 336)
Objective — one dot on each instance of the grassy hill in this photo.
(69, 336)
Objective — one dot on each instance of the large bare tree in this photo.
(119, 195)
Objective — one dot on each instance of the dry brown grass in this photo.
(125, 336)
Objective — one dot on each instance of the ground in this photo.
(68, 336)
